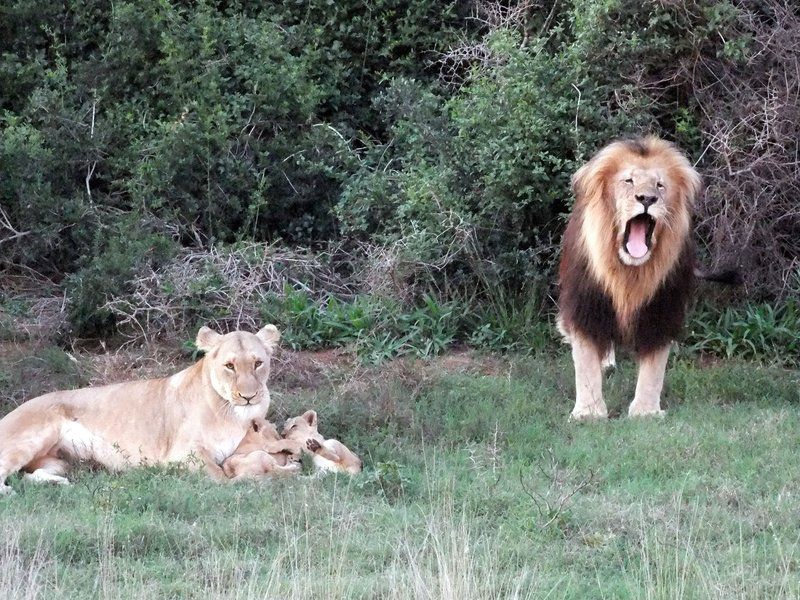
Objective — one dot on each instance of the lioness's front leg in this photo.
(589, 403)
(647, 400)
(208, 464)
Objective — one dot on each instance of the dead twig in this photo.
(550, 509)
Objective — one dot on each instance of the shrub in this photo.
(110, 272)
(444, 134)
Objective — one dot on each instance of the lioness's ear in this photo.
(270, 335)
(207, 338)
(310, 417)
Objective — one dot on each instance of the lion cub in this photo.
(262, 452)
(328, 455)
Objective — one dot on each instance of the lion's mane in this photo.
(605, 300)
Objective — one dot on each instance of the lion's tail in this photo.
(728, 277)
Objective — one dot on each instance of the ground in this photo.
(476, 486)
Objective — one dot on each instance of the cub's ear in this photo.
(207, 338)
(270, 335)
(310, 417)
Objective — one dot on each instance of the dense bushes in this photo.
(444, 133)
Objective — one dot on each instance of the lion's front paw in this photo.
(6, 490)
(640, 409)
(588, 414)
(313, 445)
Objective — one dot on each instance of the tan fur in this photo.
(198, 416)
(607, 203)
(263, 452)
(589, 403)
(327, 455)
(647, 400)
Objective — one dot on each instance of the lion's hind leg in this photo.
(609, 360)
(26, 437)
(49, 469)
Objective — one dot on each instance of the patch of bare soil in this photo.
(314, 369)
(310, 370)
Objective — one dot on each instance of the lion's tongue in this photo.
(636, 245)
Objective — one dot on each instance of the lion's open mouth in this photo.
(639, 235)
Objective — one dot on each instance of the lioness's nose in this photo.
(646, 200)
(248, 398)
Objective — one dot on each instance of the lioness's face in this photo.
(641, 195)
(239, 365)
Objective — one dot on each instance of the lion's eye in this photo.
(660, 185)
(259, 363)
(629, 180)
(229, 366)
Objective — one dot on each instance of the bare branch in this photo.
(5, 223)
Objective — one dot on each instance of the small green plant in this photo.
(387, 479)
(755, 331)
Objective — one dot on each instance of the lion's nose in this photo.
(646, 200)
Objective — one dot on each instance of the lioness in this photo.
(262, 452)
(201, 413)
(327, 455)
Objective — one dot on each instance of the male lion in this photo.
(201, 413)
(627, 266)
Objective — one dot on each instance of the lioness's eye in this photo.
(259, 363)
(229, 366)
(629, 180)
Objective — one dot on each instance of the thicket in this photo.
(429, 144)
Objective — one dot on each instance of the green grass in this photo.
(476, 486)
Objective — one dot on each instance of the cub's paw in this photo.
(313, 445)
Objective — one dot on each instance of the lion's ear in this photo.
(207, 338)
(587, 182)
(310, 417)
(694, 185)
(579, 181)
(270, 335)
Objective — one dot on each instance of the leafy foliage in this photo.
(754, 331)
(449, 130)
